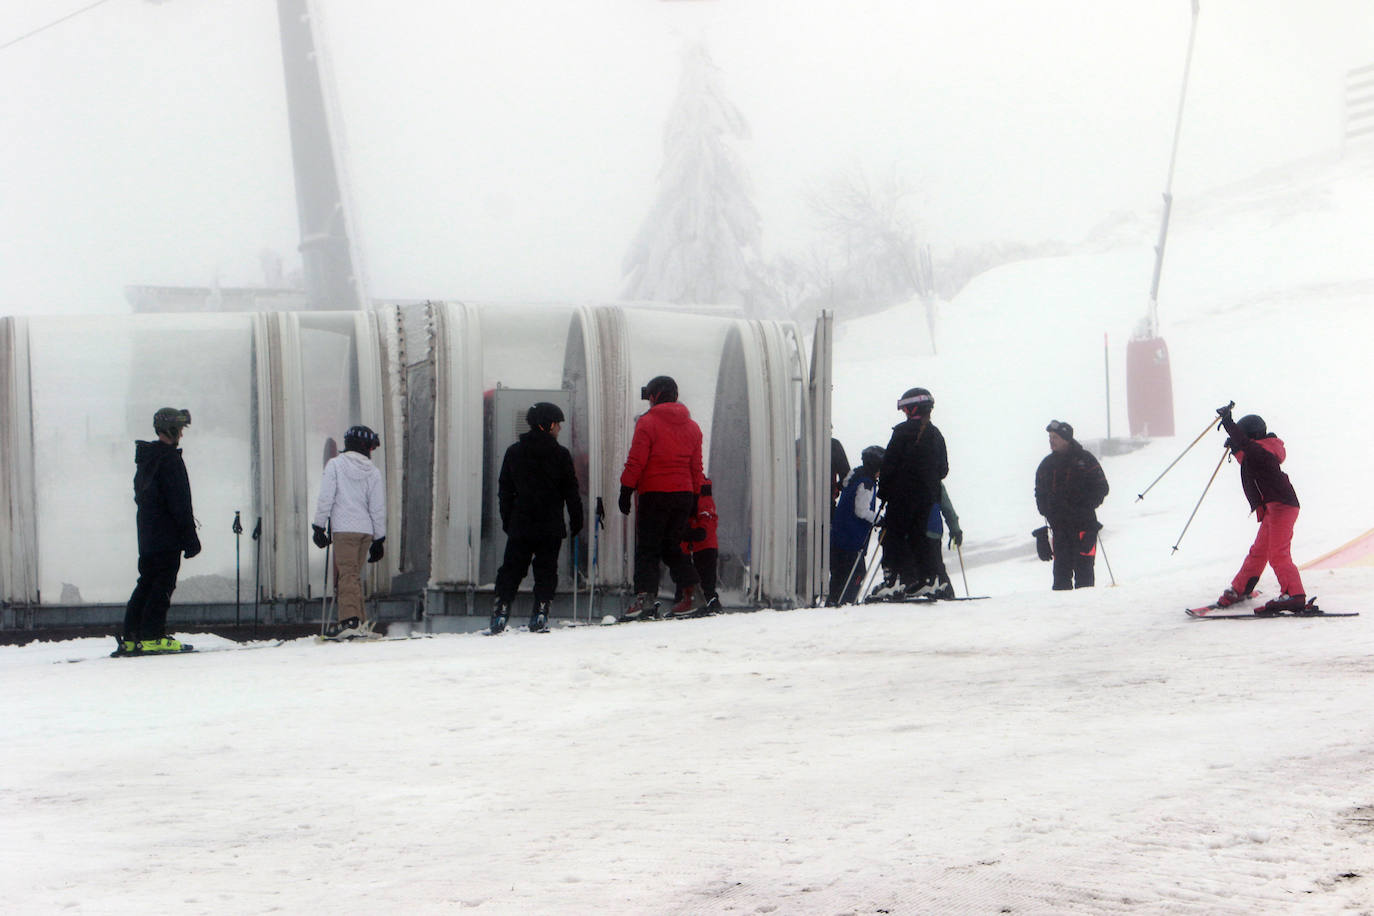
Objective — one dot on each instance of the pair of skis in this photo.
(1216, 612)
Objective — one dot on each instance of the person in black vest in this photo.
(166, 533)
(1069, 486)
(537, 480)
(913, 465)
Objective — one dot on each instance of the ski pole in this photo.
(959, 549)
(257, 572)
(863, 551)
(1205, 431)
(324, 595)
(872, 570)
(1103, 544)
(576, 573)
(1199, 503)
(238, 539)
(597, 525)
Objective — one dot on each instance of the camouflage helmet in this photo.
(171, 420)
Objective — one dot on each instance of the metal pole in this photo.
(959, 548)
(1103, 544)
(238, 539)
(1141, 495)
(1199, 503)
(1153, 316)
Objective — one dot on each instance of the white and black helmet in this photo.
(916, 400)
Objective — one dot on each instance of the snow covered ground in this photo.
(1035, 752)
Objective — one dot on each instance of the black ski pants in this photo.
(704, 562)
(145, 616)
(907, 551)
(660, 526)
(520, 554)
(1075, 552)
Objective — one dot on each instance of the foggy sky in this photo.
(509, 150)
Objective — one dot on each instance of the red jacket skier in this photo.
(1275, 504)
(664, 465)
(703, 547)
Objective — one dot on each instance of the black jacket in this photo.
(913, 466)
(162, 492)
(537, 480)
(1260, 476)
(1069, 486)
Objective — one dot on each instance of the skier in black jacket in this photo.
(913, 465)
(166, 532)
(537, 480)
(1069, 486)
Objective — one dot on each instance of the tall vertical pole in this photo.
(332, 278)
(1153, 317)
(1149, 380)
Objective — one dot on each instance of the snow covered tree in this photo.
(873, 242)
(700, 241)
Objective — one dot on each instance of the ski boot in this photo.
(125, 647)
(642, 609)
(684, 606)
(923, 590)
(1293, 604)
(712, 606)
(163, 645)
(1230, 597)
(539, 620)
(500, 611)
(348, 628)
(890, 588)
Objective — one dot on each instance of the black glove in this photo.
(377, 550)
(956, 538)
(321, 539)
(1225, 412)
(625, 499)
(1042, 543)
(193, 549)
(574, 526)
(695, 535)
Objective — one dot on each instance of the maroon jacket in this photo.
(1260, 476)
(665, 453)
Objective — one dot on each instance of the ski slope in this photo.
(1089, 752)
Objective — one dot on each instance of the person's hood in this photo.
(673, 412)
(152, 452)
(1271, 444)
(354, 465)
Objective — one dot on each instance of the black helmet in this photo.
(872, 457)
(360, 439)
(543, 415)
(171, 420)
(662, 389)
(916, 400)
(1253, 426)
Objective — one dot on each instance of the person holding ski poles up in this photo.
(353, 501)
(1275, 504)
(855, 513)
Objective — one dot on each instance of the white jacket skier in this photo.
(352, 497)
(353, 501)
